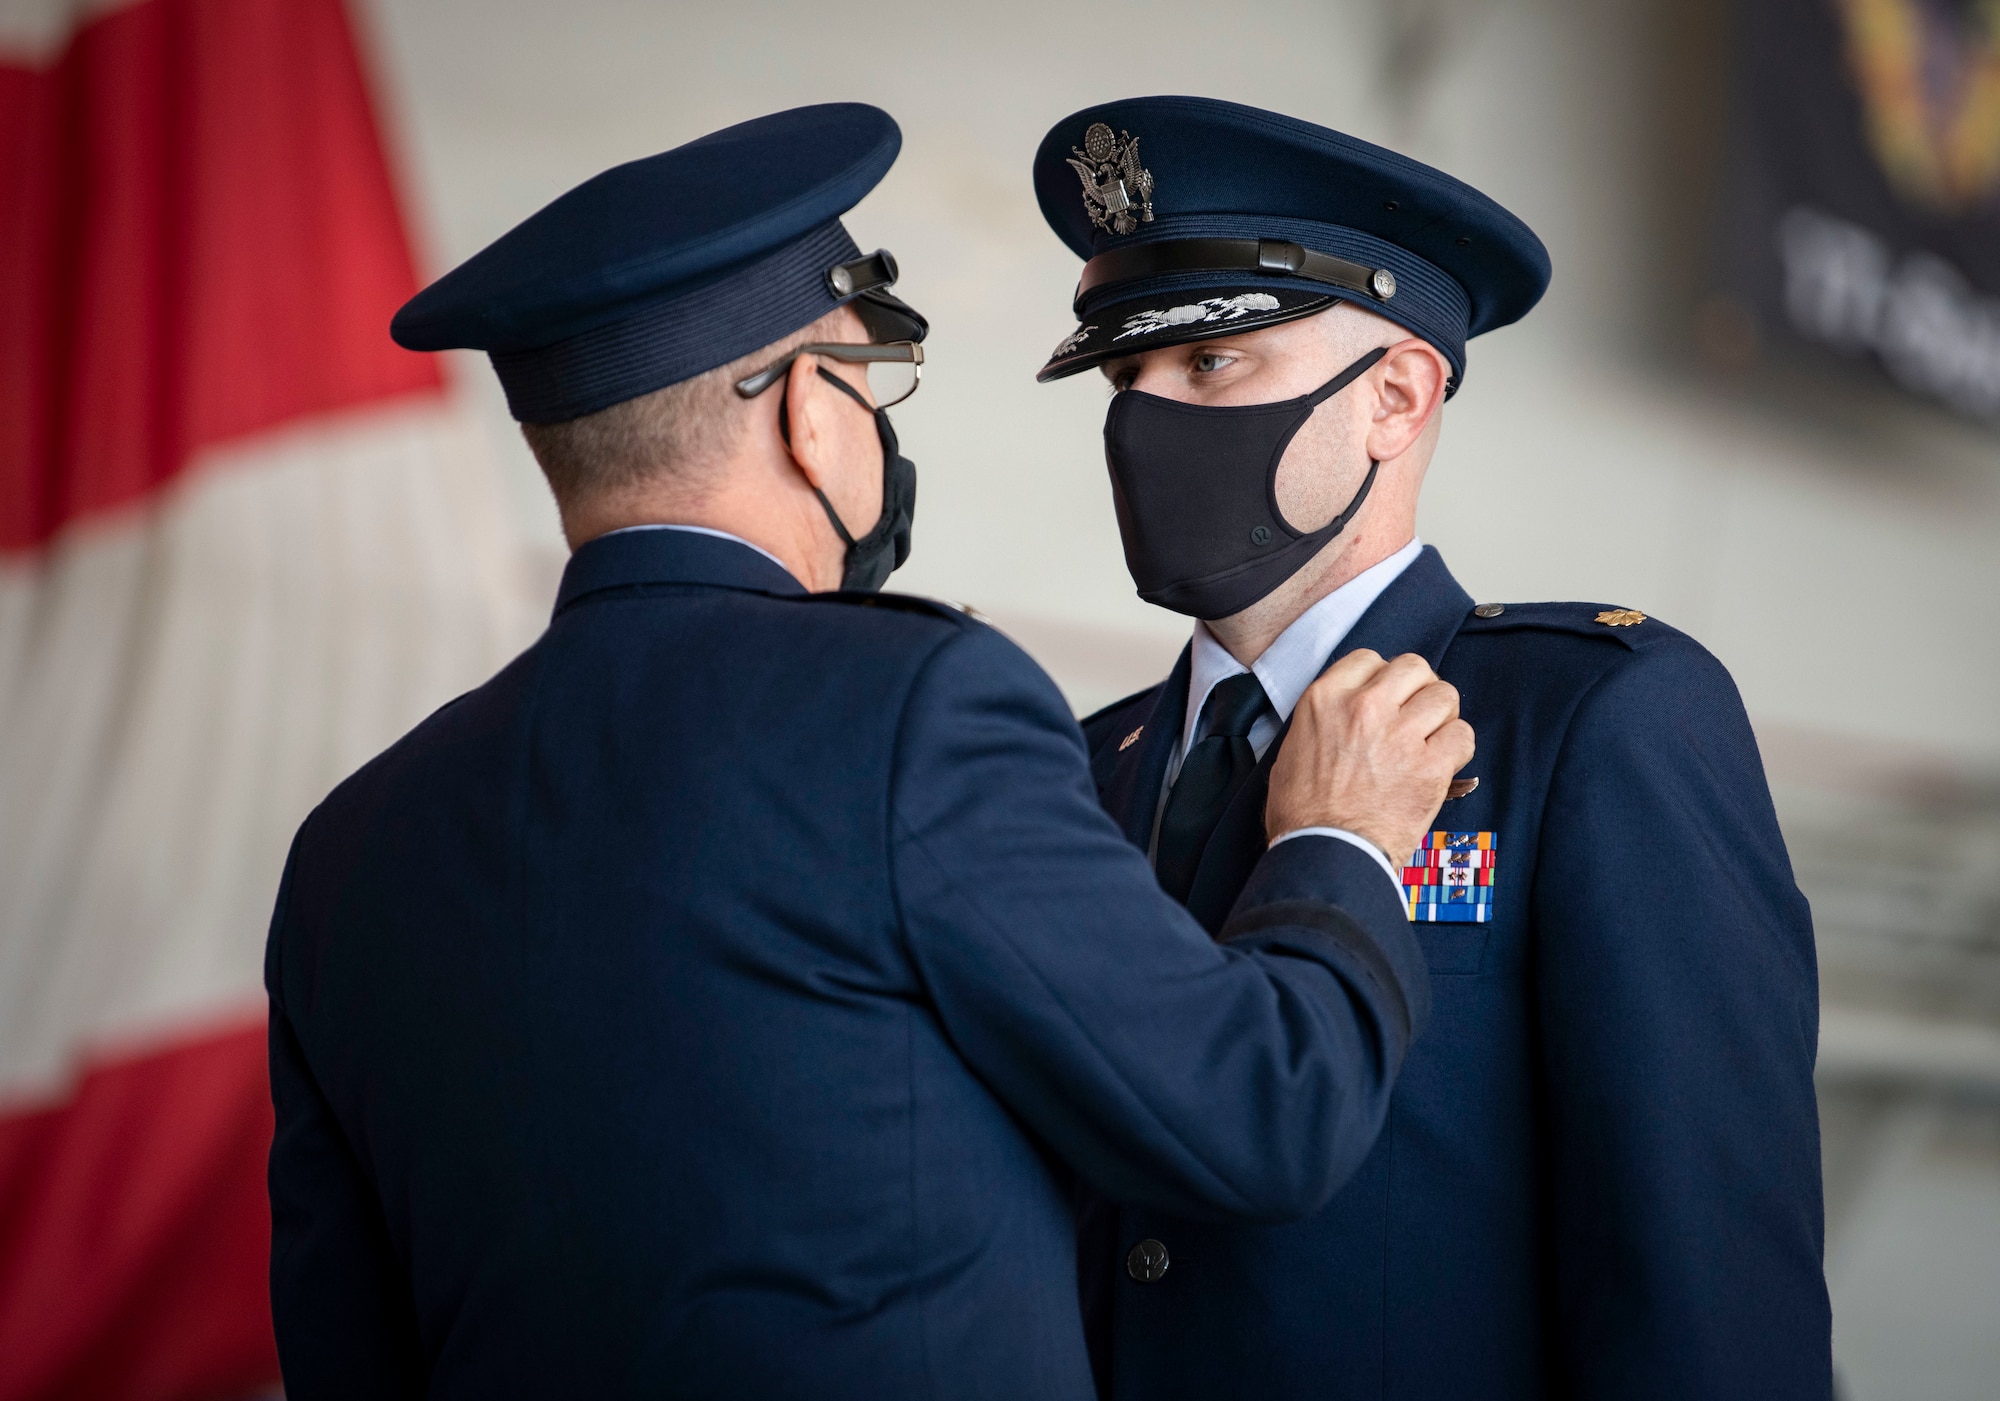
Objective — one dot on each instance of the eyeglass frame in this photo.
(848, 353)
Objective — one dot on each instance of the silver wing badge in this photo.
(1117, 190)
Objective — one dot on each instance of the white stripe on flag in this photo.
(180, 682)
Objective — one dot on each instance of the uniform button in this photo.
(1147, 1262)
(1489, 610)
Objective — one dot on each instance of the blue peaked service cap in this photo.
(1199, 218)
(664, 268)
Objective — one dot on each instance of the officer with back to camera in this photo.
(1600, 1173)
(724, 999)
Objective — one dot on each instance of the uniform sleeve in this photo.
(1678, 1004)
(1241, 1080)
(340, 1302)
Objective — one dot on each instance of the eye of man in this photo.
(1207, 362)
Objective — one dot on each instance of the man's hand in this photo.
(1372, 747)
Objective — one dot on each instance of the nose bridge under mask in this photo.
(1195, 488)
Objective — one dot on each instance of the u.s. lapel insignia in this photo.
(1450, 878)
(1117, 190)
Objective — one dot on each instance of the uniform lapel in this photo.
(1132, 792)
(1421, 612)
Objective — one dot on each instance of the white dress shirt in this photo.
(1286, 668)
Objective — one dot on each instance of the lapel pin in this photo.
(1127, 742)
(1620, 617)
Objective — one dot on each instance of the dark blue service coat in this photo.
(717, 1002)
(1600, 1177)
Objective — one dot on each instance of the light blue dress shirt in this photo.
(1290, 664)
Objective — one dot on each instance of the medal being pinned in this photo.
(1117, 190)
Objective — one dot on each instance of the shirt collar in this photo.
(1300, 652)
(672, 555)
(698, 530)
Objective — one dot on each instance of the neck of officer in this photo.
(758, 494)
(1385, 523)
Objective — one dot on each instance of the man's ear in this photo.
(805, 408)
(1410, 384)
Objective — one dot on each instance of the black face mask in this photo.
(1196, 492)
(882, 551)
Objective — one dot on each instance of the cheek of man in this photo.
(1324, 464)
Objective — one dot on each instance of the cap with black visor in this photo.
(1198, 218)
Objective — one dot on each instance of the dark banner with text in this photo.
(1863, 212)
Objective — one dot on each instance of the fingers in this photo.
(1398, 680)
(1454, 744)
(1383, 686)
(1435, 705)
(1347, 675)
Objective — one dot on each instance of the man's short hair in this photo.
(682, 433)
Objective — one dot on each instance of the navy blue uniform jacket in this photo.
(1600, 1177)
(718, 1001)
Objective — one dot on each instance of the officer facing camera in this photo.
(728, 997)
(1600, 1175)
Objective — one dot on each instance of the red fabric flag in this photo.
(244, 542)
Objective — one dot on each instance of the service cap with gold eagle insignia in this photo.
(1236, 218)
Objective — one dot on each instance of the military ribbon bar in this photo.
(1450, 878)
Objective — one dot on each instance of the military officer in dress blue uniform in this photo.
(1600, 1175)
(726, 999)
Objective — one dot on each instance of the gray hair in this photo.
(682, 434)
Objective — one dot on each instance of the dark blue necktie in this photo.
(1214, 769)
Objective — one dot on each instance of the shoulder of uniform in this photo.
(959, 613)
(1607, 622)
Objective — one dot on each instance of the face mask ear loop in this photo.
(1320, 396)
(844, 387)
(1339, 522)
(1345, 377)
(785, 432)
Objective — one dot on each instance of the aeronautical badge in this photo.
(1450, 879)
(1117, 190)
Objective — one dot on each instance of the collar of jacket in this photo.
(629, 558)
(1420, 612)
